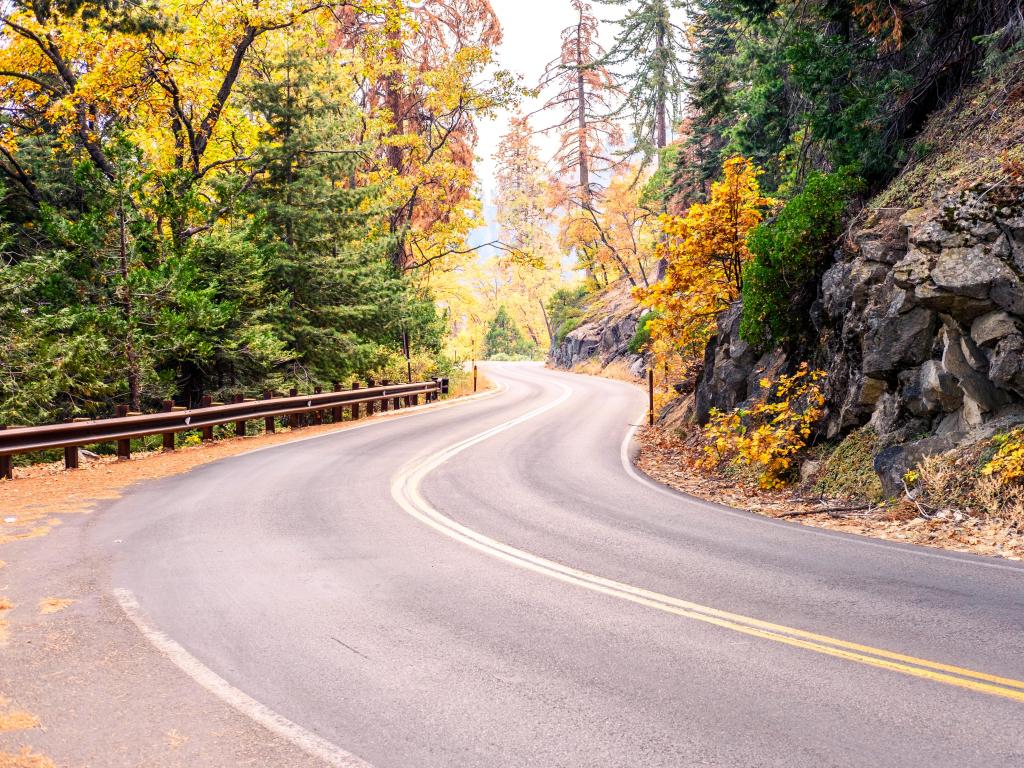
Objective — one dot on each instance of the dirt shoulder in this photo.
(665, 457)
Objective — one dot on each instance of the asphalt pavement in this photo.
(491, 584)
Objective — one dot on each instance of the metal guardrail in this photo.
(125, 427)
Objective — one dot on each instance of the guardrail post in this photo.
(240, 424)
(168, 407)
(205, 402)
(337, 412)
(71, 454)
(444, 386)
(6, 465)
(384, 405)
(474, 377)
(318, 416)
(354, 408)
(293, 418)
(370, 406)
(268, 421)
(124, 447)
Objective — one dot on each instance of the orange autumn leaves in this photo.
(705, 250)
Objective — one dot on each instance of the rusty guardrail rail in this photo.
(173, 419)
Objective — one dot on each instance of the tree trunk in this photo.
(547, 322)
(127, 309)
(661, 130)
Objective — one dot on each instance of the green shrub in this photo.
(642, 336)
(789, 253)
(565, 311)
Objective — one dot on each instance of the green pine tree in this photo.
(650, 47)
(504, 338)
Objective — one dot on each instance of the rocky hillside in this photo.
(920, 318)
(603, 334)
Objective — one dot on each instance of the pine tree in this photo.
(343, 305)
(650, 48)
(583, 96)
(505, 339)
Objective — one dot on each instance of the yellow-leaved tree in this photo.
(705, 252)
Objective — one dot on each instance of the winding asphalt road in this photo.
(491, 584)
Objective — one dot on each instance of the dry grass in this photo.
(976, 138)
(461, 384)
(616, 369)
(54, 604)
(671, 457)
(951, 485)
(26, 758)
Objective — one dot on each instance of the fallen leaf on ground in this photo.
(25, 759)
(54, 604)
(17, 721)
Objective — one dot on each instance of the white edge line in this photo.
(907, 548)
(279, 725)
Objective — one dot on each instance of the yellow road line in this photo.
(405, 490)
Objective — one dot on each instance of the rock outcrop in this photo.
(921, 327)
(604, 334)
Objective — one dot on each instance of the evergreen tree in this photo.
(504, 339)
(650, 47)
(344, 307)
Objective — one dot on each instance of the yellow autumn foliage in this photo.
(771, 433)
(1007, 465)
(705, 252)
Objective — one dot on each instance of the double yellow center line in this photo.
(405, 491)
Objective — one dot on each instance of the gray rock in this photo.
(990, 328)
(808, 470)
(1007, 368)
(870, 390)
(975, 385)
(724, 383)
(606, 334)
(938, 388)
(892, 463)
(895, 341)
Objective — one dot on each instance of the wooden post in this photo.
(6, 465)
(205, 402)
(384, 401)
(124, 447)
(240, 424)
(293, 418)
(370, 405)
(318, 416)
(71, 455)
(354, 408)
(268, 421)
(650, 396)
(337, 413)
(474, 377)
(168, 407)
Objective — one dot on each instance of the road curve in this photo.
(488, 584)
